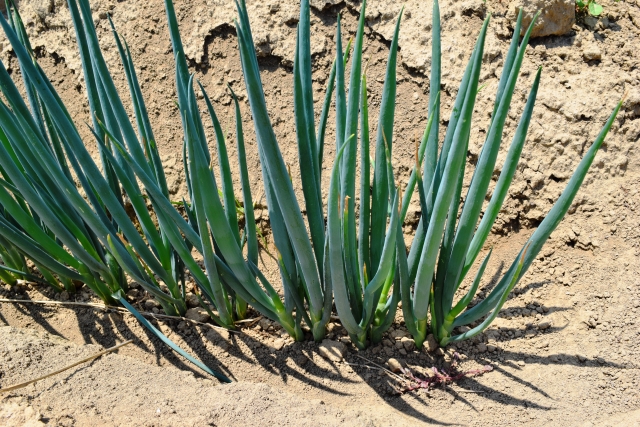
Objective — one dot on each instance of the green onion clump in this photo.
(450, 237)
(88, 237)
(366, 265)
(350, 251)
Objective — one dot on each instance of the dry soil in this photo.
(564, 350)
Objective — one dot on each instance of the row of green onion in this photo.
(349, 251)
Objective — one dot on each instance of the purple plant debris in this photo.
(440, 377)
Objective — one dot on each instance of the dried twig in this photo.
(86, 359)
(382, 367)
(250, 322)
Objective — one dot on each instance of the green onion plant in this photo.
(350, 251)
(366, 266)
(336, 258)
(450, 237)
(86, 237)
(229, 280)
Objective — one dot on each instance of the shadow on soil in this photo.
(217, 349)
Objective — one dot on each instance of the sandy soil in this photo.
(564, 349)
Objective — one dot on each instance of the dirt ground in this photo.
(564, 350)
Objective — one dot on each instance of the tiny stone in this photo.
(278, 344)
(332, 350)
(432, 344)
(592, 52)
(521, 363)
(397, 334)
(408, 343)
(265, 324)
(64, 296)
(387, 343)
(590, 22)
(151, 303)
(491, 347)
(402, 351)
(197, 314)
(544, 325)
(192, 300)
(482, 347)
(395, 365)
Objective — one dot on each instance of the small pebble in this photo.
(408, 343)
(395, 365)
(431, 343)
(197, 314)
(151, 303)
(332, 350)
(544, 325)
(278, 344)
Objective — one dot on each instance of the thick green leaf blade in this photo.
(304, 78)
(167, 341)
(380, 197)
(249, 214)
(307, 153)
(546, 227)
(277, 170)
(324, 115)
(445, 193)
(434, 97)
(506, 177)
(336, 267)
(481, 179)
(364, 255)
(33, 250)
(225, 169)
